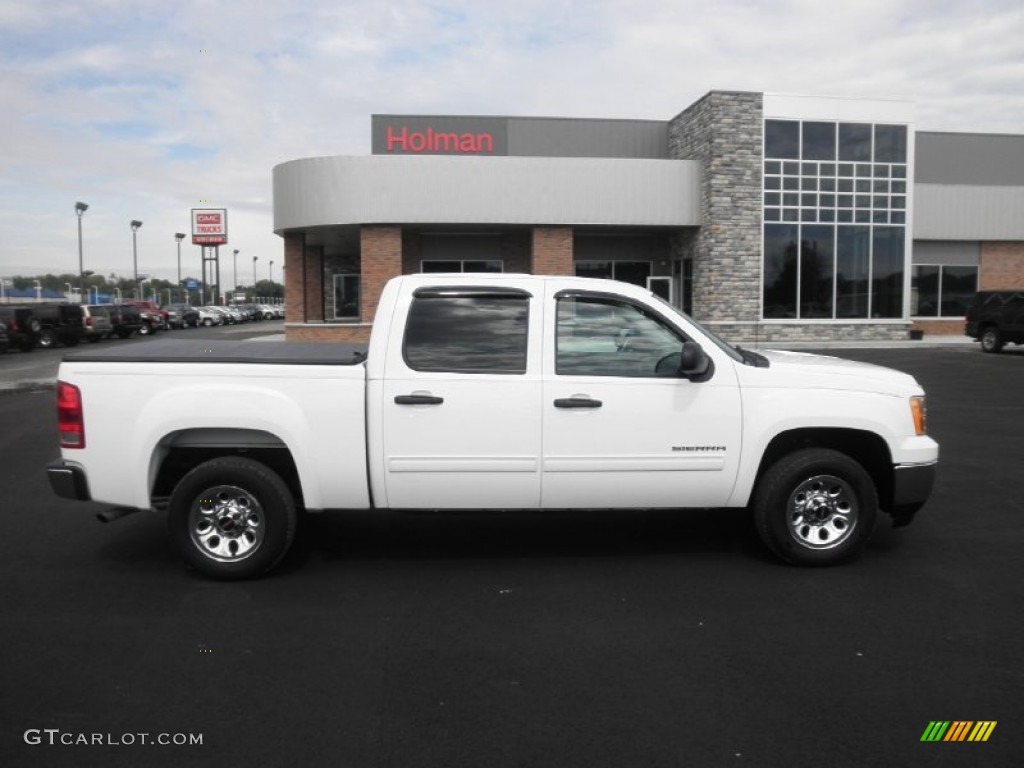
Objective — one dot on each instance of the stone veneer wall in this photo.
(723, 131)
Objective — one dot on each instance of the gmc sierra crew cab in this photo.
(491, 392)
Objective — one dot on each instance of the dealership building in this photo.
(768, 217)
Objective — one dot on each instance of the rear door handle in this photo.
(577, 402)
(418, 400)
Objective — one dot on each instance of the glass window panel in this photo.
(772, 166)
(790, 198)
(846, 169)
(467, 334)
(790, 214)
(346, 297)
(809, 199)
(862, 201)
(863, 170)
(827, 185)
(899, 171)
(863, 185)
(887, 265)
(880, 217)
(791, 169)
(880, 201)
(959, 284)
(898, 201)
(780, 265)
(844, 216)
(898, 217)
(599, 269)
(809, 169)
(827, 201)
(441, 266)
(772, 214)
(772, 182)
(781, 138)
(924, 291)
(882, 171)
(845, 185)
(771, 198)
(808, 214)
(862, 216)
(844, 201)
(635, 272)
(891, 143)
(490, 265)
(819, 141)
(880, 186)
(790, 182)
(826, 215)
(608, 337)
(853, 251)
(816, 270)
(854, 141)
(828, 169)
(899, 187)
(808, 184)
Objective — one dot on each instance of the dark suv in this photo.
(22, 326)
(995, 318)
(182, 316)
(125, 320)
(62, 323)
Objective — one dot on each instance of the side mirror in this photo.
(694, 362)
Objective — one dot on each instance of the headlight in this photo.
(919, 414)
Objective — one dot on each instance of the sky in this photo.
(145, 110)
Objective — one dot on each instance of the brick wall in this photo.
(295, 288)
(313, 306)
(1002, 266)
(381, 259)
(552, 251)
(320, 332)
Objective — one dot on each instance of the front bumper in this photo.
(68, 480)
(912, 485)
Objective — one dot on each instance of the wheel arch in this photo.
(866, 448)
(180, 452)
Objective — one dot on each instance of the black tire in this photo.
(47, 339)
(232, 518)
(34, 326)
(991, 339)
(146, 329)
(815, 507)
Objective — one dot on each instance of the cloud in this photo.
(144, 109)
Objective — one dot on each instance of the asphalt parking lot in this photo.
(652, 639)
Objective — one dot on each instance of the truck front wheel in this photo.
(232, 518)
(816, 507)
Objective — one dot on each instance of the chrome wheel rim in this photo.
(226, 523)
(822, 512)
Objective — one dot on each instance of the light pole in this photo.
(39, 290)
(254, 260)
(135, 255)
(179, 236)
(270, 273)
(80, 208)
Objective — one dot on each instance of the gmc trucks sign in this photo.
(426, 135)
(209, 226)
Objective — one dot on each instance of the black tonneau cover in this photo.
(200, 351)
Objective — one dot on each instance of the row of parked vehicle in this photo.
(26, 326)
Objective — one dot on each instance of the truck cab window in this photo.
(599, 336)
(468, 334)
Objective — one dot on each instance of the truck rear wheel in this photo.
(991, 339)
(232, 518)
(816, 507)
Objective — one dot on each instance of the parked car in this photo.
(209, 316)
(125, 319)
(996, 318)
(22, 326)
(97, 321)
(154, 312)
(5, 341)
(182, 316)
(60, 323)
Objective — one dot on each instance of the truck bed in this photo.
(200, 351)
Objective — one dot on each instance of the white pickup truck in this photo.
(491, 392)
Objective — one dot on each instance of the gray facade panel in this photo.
(566, 137)
(964, 158)
(954, 254)
(962, 212)
(331, 191)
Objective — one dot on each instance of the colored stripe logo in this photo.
(959, 730)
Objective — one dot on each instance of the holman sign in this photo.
(439, 135)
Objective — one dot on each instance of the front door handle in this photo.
(577, 402)
(418, 400)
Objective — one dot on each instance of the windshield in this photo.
(727, 348)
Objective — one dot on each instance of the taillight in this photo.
(70, 417)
